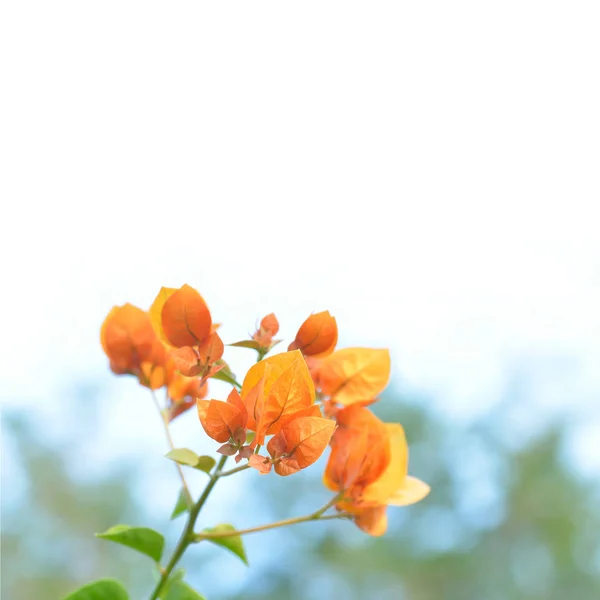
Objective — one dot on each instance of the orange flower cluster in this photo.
(136, 345)
(368, 465)
(277, 398)
(183, 322)
(282, 397)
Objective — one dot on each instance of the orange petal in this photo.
(412, 491)
(372, 520)
(186, 361)
(360, 450)
(260, 463)
(391, 480)
(127, 337)
(301, 441)
(155, 312)
(219, 419)
(354, 374)
(186, 320)
(152, 376)
(253, 401)
(235, 399)
(180, 386)
(345, 463)
(211, 349)
(317, 336)
(269, 326)
(266, 371)
(309, 411)
(105, 325)
(195, 388)
(180, 407)
(291, 392)
(275, 364)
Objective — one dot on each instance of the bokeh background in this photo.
(428, 172)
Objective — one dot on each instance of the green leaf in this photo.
(187, 457)
(226, 377)
(226, 368)
(183, 456)
(253, 344)
(205, 463)
(177, 575)
(183, 504)
(179, 590)
(232, 543)
(102, 589)
(144, 540)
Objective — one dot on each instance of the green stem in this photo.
(187, 536)
(233, 471)
(315, 516)
(331, 503)
(165, 422)
(237, 385)
(284, 523)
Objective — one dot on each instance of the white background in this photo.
(427, 171)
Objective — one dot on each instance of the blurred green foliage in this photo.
(507, 519)
(48, 544)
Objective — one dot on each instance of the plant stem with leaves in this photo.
(188, 536)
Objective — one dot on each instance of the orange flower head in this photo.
(221, 420)
(360, 450)
(300, 443)
(317, 336)
(181, 317)
(269, 326)
(353, 375)
(277, 390)
(128, 339)
(367, 496)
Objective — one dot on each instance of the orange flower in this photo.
(299, 443)
(269, 326)
(133, 347)
(155, 312)
(353, 375)
(191, 361)
(183, 322)
(226, 422)
(129, 340)
(360, 450)
(317, 336)
(275, 391)
(153, 376)
(222, 420)
(211, 349)
(185, 318)
(370, 484)
(186, 361)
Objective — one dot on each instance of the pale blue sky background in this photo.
(426, 171)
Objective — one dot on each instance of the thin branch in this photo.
(284, 523)
(331, 503)
(165, 422)
(233, 471)
(315, 516)
(187, 536)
